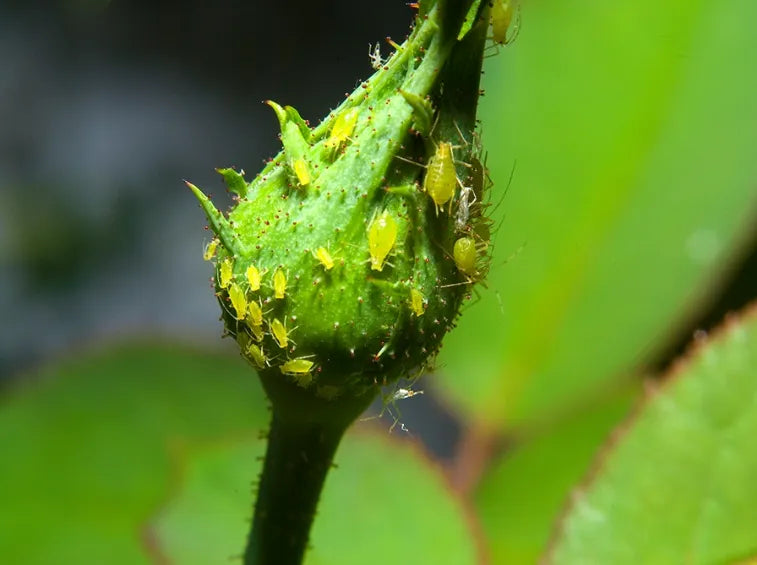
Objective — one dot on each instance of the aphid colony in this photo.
(247, 309)
(441, 183)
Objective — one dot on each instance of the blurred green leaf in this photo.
(86, 446)
(632, 130)
(384, 503)
(523, 493)
(398, 506)
(678, 486)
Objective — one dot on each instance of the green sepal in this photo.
(296, 144)
(234, 181)
(470, 19)
(294, 116)
(423, 112)
(218, 223)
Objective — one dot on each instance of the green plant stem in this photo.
(304, 435)
(296, 463)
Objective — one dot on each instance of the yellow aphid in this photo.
(279, 333)
(243, 339)
(416, 301)
(256, 354)
(299, 369)
(382, 234)
(302, 171)
(255, 315)
(238, 300)
(225, 273)
(253, 277)
(441, 179)
(210, 250)
(257, 332)
(296, 367)
(344, 125)
(464, 253)
(279, 284)
(325, 258)
(502, 16)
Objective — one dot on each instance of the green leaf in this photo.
(523, 493)
(678, 485)
(87, 446)
(632, 131)
(369, 513)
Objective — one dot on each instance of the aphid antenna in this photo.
(410, 161)
(512, 255)
(507, 188)
(300, 357)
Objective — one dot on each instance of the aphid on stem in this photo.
(416, 302)
(466, 256)
(253, 278)
(280, 333)
(302, 171)
(325, 258)
(298, 368)
(238, 300)
(279, 284)
(344, 125)
(256, 355)
(502, 13)
(382, 234)
(210, 249)
(255, 314)
(225, 273)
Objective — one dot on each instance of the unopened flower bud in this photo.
(340, 268)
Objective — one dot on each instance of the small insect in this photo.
(238, 300)
(255, 353)
(279, 284)
(300, 369)
(210, 249)
(465, 255)
(374, 54)
(382, 234)
(257, 332)
(502, 16)
(302, 171)
(253, 278)
(416, 301)
(402, 394)
(441, 178)
(344, 125)
(225, 273)
(389, 401)
(467, 199)
(325, 258)
(279, 333)
(296, 366)
(255, 314)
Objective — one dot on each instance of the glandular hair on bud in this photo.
(336, 268)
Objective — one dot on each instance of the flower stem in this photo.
(302, 442)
